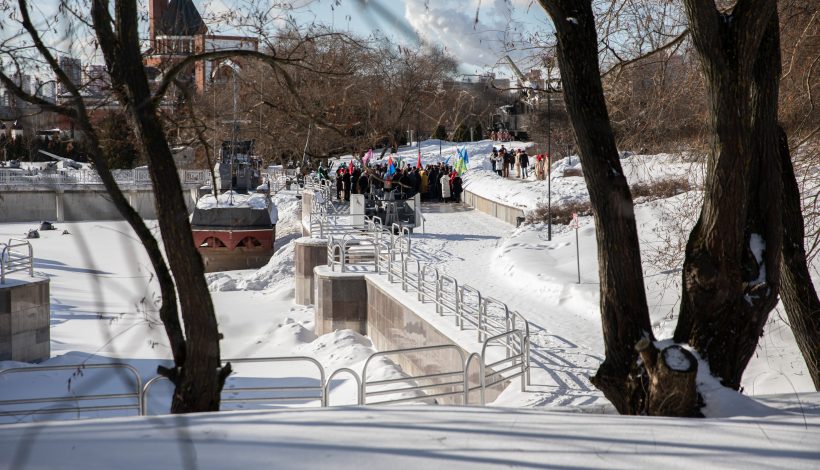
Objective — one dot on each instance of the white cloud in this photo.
(452, 24)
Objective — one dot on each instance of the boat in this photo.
(234, 227)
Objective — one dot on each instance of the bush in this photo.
(660, 189)
(561, 213)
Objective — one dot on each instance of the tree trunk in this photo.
(730, 273)
(798, 294)
(200, 381)
(624, 311)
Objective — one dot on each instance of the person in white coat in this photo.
(445, 187)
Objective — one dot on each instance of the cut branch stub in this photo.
(672, 373)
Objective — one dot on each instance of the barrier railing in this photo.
(13, 259)
(445, 382)
(139, 176)
(83, 402)
(453, 382)
(394, 256)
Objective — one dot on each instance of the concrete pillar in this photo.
(25, 320)
(357, 209)
(60, 205)
(309, 253)
(307, 205)
(341, 301)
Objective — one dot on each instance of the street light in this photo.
(549, 164)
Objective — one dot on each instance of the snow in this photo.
(676, 360)
(414, 437)
(104, 309)
(232, 198)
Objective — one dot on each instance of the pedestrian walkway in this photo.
(561, 362)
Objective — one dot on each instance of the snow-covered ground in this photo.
(443, 438)
(104, 309)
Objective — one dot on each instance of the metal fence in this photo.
(16, 256)
(129, 399)
(135, 177)
(419, 387)
(353, 247)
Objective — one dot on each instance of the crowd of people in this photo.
(515, 163)
(435, 182)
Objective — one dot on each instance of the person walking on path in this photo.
(524, 159)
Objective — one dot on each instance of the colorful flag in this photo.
(460, 167)
(465, 156)
(367, 157)
(351, 167)
(418, 162)
(391, 168)
(447, 161)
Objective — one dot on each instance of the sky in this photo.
(502, 26)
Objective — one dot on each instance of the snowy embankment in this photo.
(416, 437)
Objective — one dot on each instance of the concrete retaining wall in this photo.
(75, 205)
(498, 210)
(24, 320)
(393, 325)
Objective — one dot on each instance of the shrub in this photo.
(660, 189)
(561, 213)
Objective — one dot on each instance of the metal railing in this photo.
(277, 393)
(82, 402)
(13, 259)
(440, 384)
(128, 177)
(392, 249)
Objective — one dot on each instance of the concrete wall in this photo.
(496, 209)
(74, 205)
(24, 320)
(392, 325)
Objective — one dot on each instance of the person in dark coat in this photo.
(524, 160)
(364, 184)
(339, 183)
(457, 188)
(433, 192)
(346, 184)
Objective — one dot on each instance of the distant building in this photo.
(73, 68)
(97, 81)
(176, 31)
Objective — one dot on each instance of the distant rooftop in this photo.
(181, 18)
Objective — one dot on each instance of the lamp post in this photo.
(549, 164)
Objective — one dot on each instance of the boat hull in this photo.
(232, 249)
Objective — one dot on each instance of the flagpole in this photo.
(418, 130)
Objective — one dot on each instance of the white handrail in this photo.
(13, 261)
